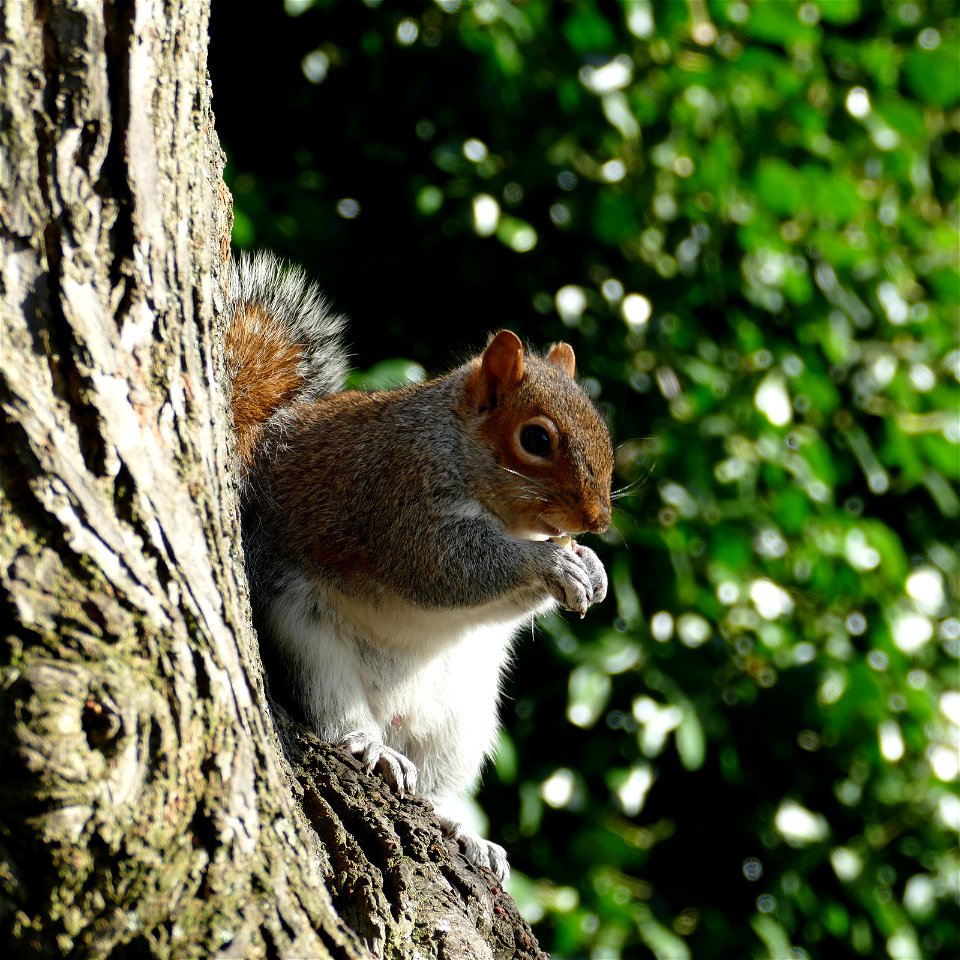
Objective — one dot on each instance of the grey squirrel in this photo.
(396, 540)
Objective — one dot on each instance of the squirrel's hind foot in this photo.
(393, 766)
(480, 852)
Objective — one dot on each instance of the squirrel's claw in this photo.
(578, 578)
(598, 576)
(482, 853)
(399, 772)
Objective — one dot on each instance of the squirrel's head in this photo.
(551, 445)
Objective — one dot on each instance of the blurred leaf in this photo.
(386, 375)
(664, 944)
(839, 11)
(777, 23)
(587, 30)
(934, 75)
(691, 744)
(773, 935)
(505, 757)
(780, 187)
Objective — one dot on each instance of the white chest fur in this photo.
(425, 682)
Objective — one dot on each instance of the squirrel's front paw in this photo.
(577, 578)
(392, 765)
(598, 576)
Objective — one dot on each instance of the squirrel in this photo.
(396, 540)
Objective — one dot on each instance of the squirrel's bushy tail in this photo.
(283, 344)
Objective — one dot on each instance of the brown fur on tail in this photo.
(263, 361)
(282, 343)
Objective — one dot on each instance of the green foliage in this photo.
(744, 218)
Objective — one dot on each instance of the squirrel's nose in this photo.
(599, 520)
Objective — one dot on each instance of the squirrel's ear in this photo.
(561, 355)
(501, 368)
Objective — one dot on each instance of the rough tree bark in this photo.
(153, 802)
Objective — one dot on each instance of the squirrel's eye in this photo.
(535, 440)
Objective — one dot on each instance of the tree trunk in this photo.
(153, 800)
